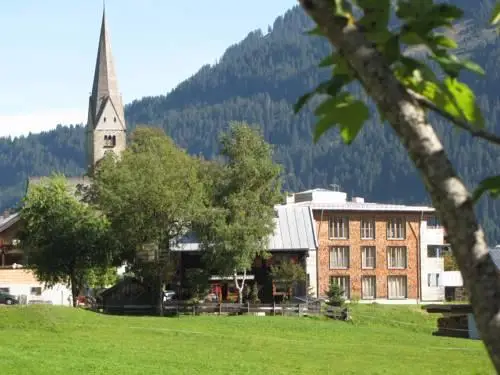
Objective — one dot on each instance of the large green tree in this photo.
(405, 88)
(242, 189)
(63, 238)
(150, 195)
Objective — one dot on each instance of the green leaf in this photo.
(342, 8)
(314, 31)
(376, 14)
(343, 110)
(391, 49)
(327, 61)
(411, 38)
(301, 102)
(449, 63)
(473, 67)
(495, 16)
(443, 41)
(465, 102)
(490, 185)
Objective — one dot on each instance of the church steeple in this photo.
(106, 128)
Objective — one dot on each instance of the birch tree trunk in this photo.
(238, 286)
(448, 193)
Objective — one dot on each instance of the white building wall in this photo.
(430, 267)
(311, 270)
(452, 279)
(58, 295)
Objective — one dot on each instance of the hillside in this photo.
(62, 341)
(258, 81)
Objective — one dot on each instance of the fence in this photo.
(180, 307)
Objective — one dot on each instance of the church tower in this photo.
(106, 128)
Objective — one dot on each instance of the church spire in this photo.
(106, 128)
(105, 83)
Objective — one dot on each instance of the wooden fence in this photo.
(181, 307)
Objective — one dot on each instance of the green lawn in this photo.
(51, 340)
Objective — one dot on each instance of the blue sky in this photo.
(49, 48)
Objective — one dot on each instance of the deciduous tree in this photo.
(63, 238)
(243, 191)
(404, 88)
(150, 195)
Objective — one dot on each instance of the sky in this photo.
(48, 51)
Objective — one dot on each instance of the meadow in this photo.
(379, 340)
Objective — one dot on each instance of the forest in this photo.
(258, 81)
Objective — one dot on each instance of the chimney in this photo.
(6, 214)
(358, 200)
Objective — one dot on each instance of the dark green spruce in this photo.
(258, 81)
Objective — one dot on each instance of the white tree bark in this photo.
(448, 193)
(240, 286)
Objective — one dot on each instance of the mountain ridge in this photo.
(258, 80)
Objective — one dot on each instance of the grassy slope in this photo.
(51, 340)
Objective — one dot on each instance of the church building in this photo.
(106, 131)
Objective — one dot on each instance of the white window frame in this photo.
(367, 229)
(404, 287)
(393, 254)
(396, 229)
(433, 280)
(339, 228)
(344, 282)
(365, 256)
(373, 285)
(345, 255)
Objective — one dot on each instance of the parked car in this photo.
(8, 299)
(169, 295)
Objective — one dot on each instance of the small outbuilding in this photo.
(128, 296)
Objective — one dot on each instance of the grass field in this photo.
(51, 340)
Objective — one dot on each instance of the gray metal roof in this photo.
(357, 206)
(495, 255)
(294, 231)
(7, 222)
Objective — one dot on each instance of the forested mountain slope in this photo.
(258, 80)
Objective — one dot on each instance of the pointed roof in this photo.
(105, 83)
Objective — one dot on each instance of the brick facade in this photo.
(381, 270)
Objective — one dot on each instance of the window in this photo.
(436, 251)
(114, 119)
(5, 290)
(433, 280)
(396, 257)
(339, 257)
(368, 256)
(36, 291)
(396, 286)
(109, 140)
(396, 229)
(343, 282)
(368, 287)
(367, 229)
(339, 227)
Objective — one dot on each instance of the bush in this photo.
(335, 295)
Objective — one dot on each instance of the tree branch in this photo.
(424, 102)
(448, 193)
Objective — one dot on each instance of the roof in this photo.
(7, 222)
(362, 206)
(495, 255)
(294, 231)
(105, 85)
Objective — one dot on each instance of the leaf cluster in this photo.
(423, 24)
